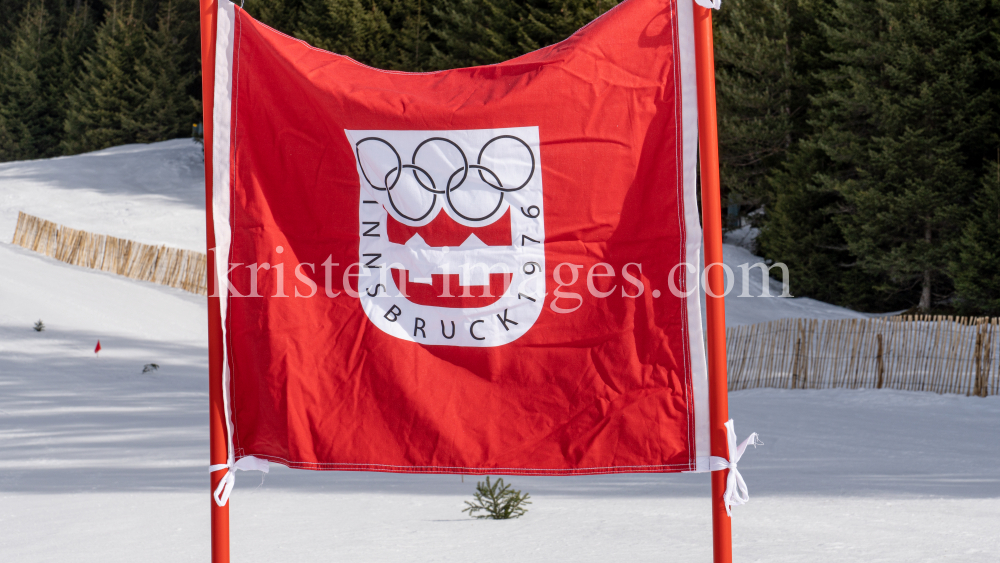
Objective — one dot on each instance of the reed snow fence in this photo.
(943, 354)
(183, 269)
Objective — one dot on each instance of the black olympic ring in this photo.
(497, 184)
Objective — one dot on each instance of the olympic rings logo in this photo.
(389, 181)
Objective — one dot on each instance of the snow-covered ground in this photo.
(150, 193)
(752, 307)
(100, 462)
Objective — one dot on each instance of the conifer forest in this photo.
(861, 137)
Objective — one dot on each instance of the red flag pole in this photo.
(218, 451)
(711, 205)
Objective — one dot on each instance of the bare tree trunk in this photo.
(416, 56)
(925, 293)
(979, 389)
(880, 364)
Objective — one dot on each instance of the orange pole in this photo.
(218, 451)
(711, 205)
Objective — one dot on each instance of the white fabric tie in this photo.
(736, 489)
(225, 487)
(710, 4)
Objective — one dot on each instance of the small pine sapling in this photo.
(150, 367)
(497, 500)
(39, 326)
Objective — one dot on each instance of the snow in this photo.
(100, 462)
(152, 193)
(750, 307)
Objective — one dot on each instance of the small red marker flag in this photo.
(98, 347)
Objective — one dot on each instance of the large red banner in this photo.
(480, 270)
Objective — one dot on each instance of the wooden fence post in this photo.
(880, 365)
(979, 389)
(795, 363)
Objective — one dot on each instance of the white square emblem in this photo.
(452, 234)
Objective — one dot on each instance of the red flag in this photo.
(482, 270)
(98, 347)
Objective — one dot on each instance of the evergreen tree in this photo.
(799, 229)
(353, 28)
(976, 268)
(28, 105)
(133, 87)
(62, 92)
(479, 32)
(189, 28)
(75, 38)
(101, 104)
(419, 35)
(414, 39)
(11, 10)
(166, 109)
(283, 15)
(895, 129)
(913, 85)
(8, 142)
(756, 82)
